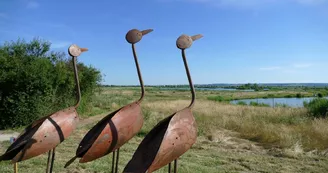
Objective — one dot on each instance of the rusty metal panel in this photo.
(180, 135)
(125, 124)
(53, 130)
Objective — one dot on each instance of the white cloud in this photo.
(249, 4)
(32, 5)
(302, 65)
(310, 2)
(288, 68)
(60, 44)
(270, 68)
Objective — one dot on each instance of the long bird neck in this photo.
(77, 83)
(139, 74)
(192, 89)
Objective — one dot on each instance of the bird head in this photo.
(134, 35)
(185, 41)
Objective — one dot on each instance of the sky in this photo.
(245, 41)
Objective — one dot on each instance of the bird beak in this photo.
(84, 49)
(144, 32)
(196, 37)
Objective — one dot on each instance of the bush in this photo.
(320, 95)
(258, 104)
(299, 95)
(284, 105)
(241, 103)
(216, 98)
(35, 82)
(317, 107)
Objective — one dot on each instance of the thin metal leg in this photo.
(15, 168)
(48, 162)
(113, 162)
(117, 158)
(170, 167)
(52, 159)
(175, 165)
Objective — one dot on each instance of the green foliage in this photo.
(317, 107)
(35, 81)
(271, 95)
(289, 96)
(248, 86)
(320, 95)
(241, 103)
(284, 105)
(299, 95)
(259, 104)
(216, 98)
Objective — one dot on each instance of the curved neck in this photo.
(77, 83)
(192, 89)
(139, 73)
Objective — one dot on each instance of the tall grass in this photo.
(272, 127)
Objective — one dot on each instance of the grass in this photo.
(232, 138)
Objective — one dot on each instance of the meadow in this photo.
(231, 138)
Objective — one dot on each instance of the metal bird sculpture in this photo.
(46, 133)
(171, 137)
(117, 128)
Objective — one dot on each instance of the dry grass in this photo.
(231, 138)
(273, 127)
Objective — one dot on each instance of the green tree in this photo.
(35, 81)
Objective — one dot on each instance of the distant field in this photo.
(232, 138)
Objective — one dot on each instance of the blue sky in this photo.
(256, 41)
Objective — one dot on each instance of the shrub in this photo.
(284, 105)
(271, 95)
(320, 95)
(317, 107)
(241, 103)
(216, 98)
(299, 95)
(35, 82)
(258, 104)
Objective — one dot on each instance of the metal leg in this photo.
(52, 159)
(175, 165)
(48, 162)
(169, 167)
(117, 158)
(15, 168)
(113, 162)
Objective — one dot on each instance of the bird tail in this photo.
(70, 162)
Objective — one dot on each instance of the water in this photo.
(290, 102)
(208, 89)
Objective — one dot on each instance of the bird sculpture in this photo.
(46, 133)
(117, 128)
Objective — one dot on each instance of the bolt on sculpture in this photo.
(171, 137)
(117, 128)
(46, 133)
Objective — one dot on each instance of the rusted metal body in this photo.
(117, 128)
(171, 137)
(180, 135)
(47, 132)
(43, 136)
(111, 132)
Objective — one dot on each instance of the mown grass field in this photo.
(232, 138)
